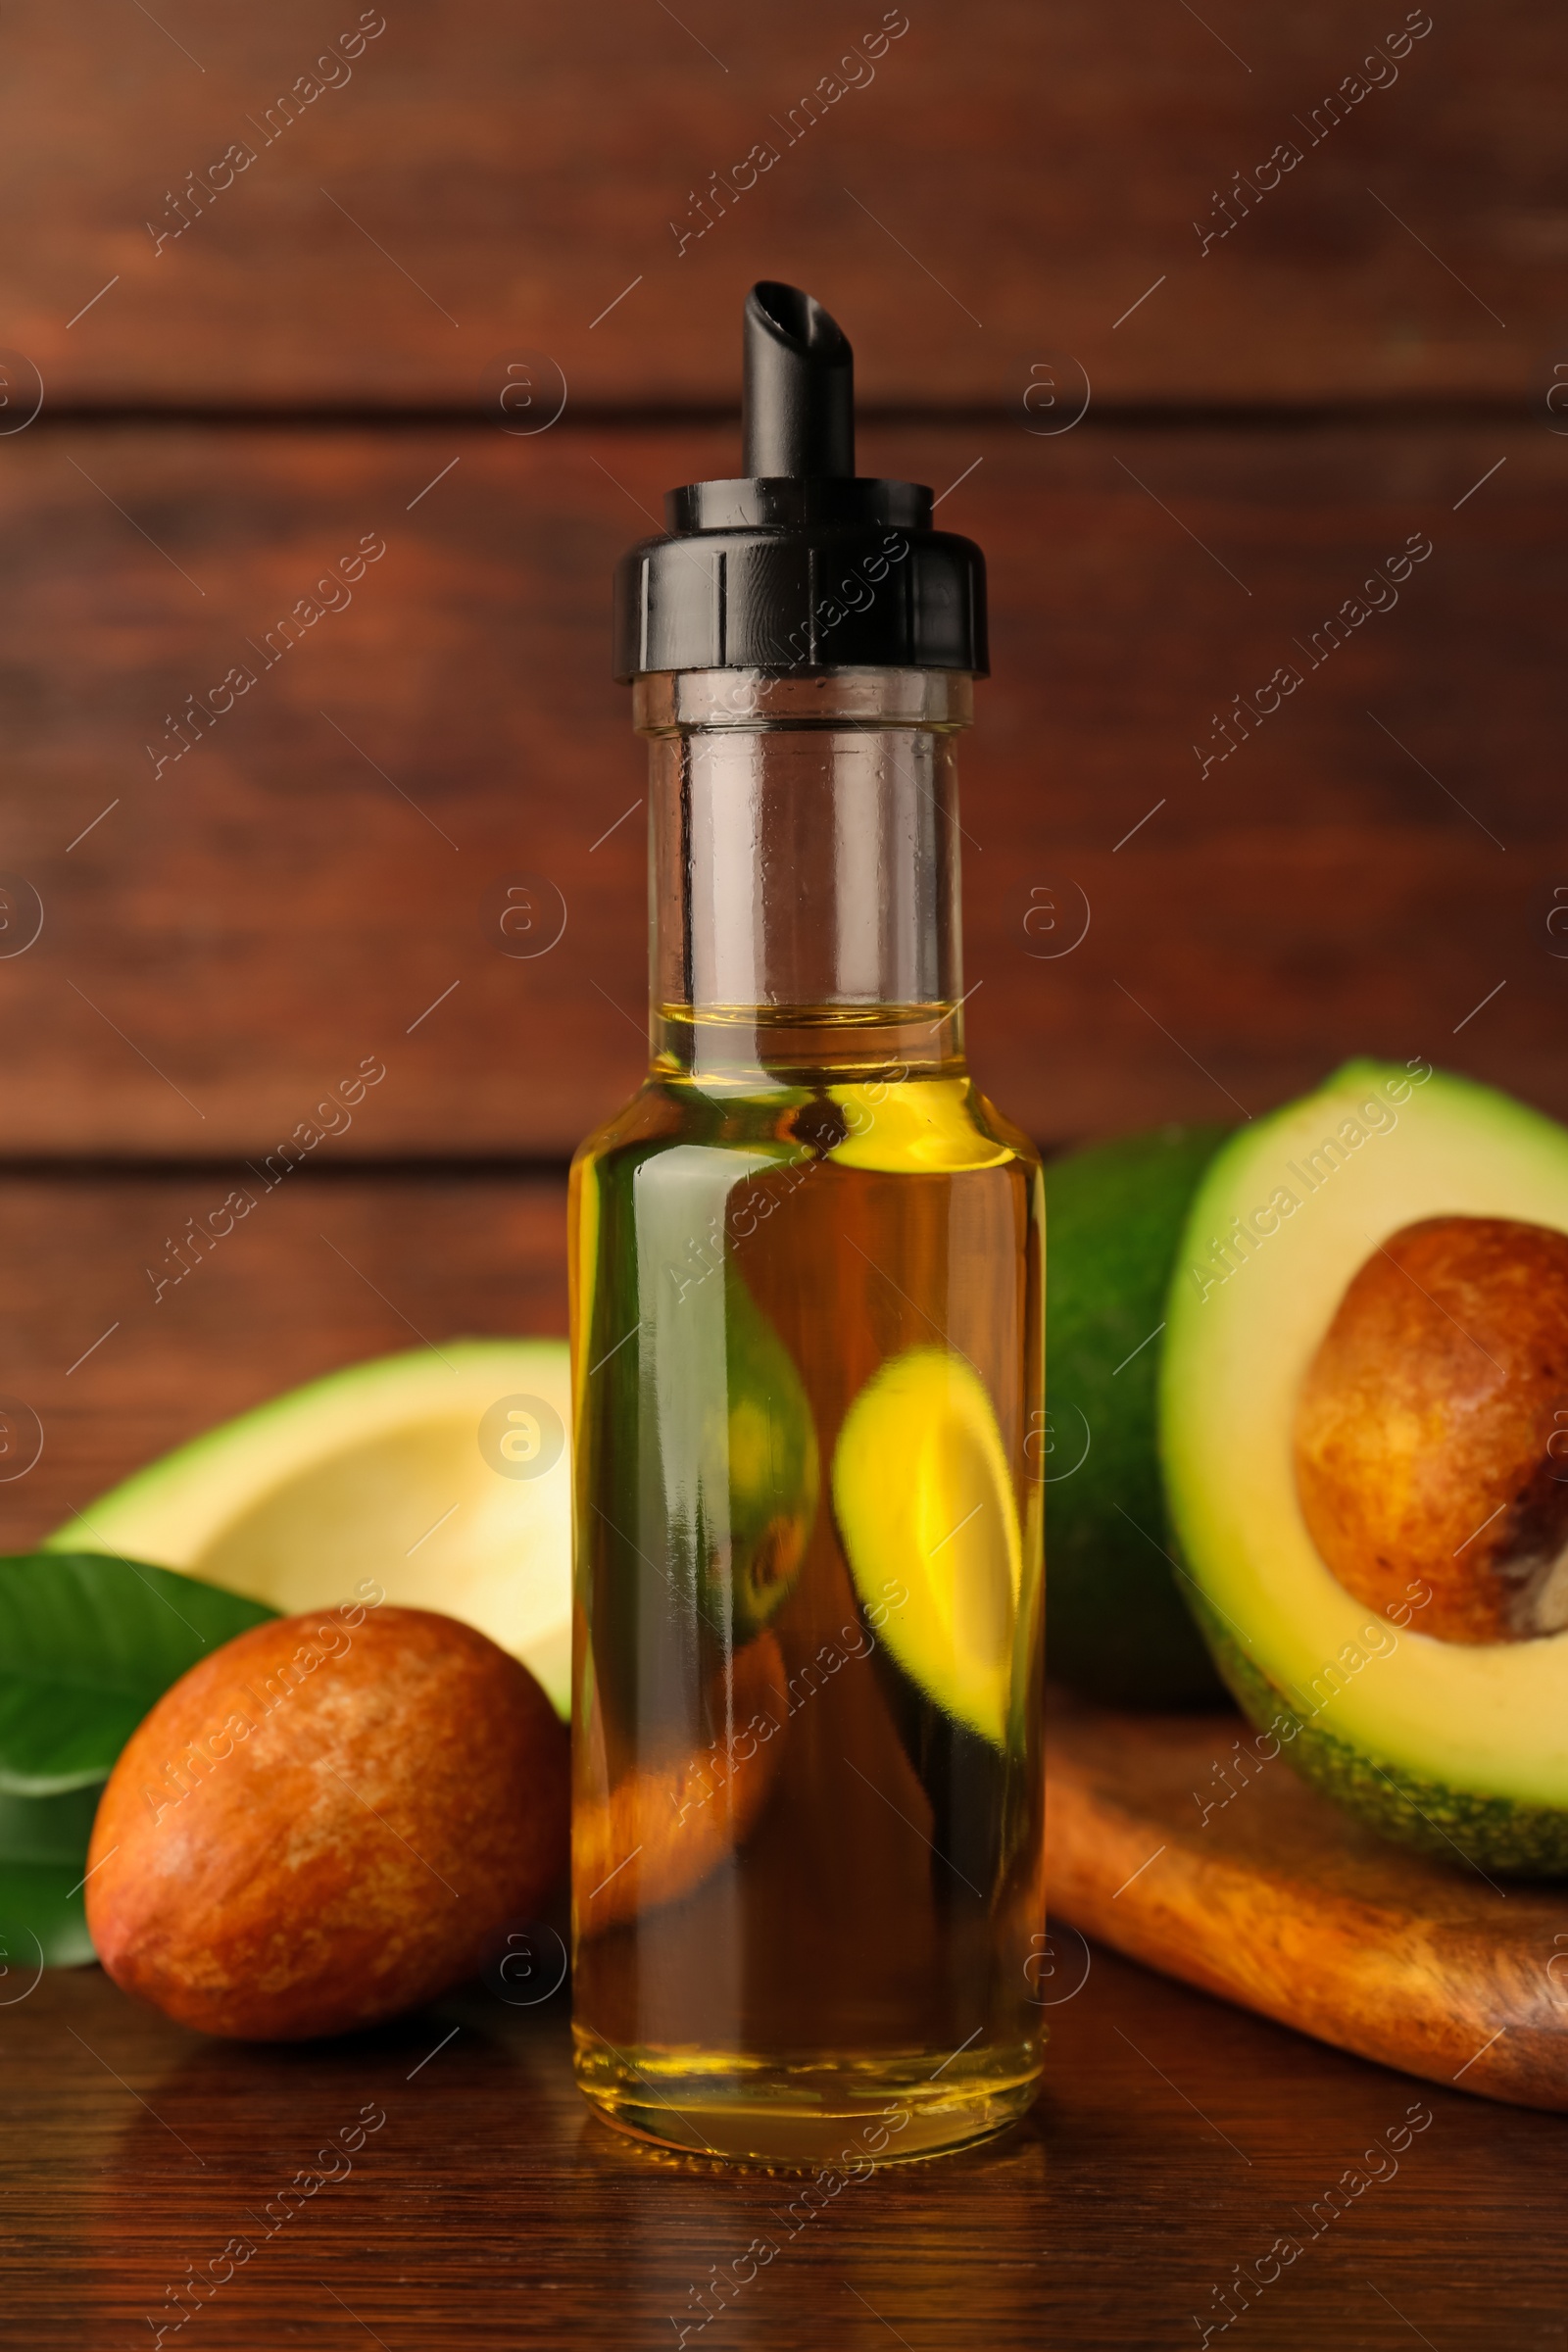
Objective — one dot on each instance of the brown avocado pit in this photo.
(1430, 1437)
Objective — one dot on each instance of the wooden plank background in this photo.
(999, 175)
(1007, 200)
(230, 928)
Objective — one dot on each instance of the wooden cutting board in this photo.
(1284, 1903)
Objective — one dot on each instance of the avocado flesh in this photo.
(1444, 1745)
(1117, 1627)
(923, 1499)
(356, 1476)
(1500, 1833)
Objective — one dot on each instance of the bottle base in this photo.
(840, 2119)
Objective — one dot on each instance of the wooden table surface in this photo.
(1175, 2140)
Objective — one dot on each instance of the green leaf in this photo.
(87, 1644)
(43, 1866)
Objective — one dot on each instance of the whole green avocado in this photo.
(1118, 1628)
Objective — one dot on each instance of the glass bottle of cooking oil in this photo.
(807, 1357)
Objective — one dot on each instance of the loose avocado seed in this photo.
(315, 1827)
(1432, 1431)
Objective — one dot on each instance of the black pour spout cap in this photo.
(798, 387)
(800, 563)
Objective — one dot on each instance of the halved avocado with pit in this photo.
(1381, 1677)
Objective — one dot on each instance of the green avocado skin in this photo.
(1515, 1839)
(1116, 1625)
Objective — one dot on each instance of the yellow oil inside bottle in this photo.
(808, 1795)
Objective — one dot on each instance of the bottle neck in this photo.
(803, 873)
